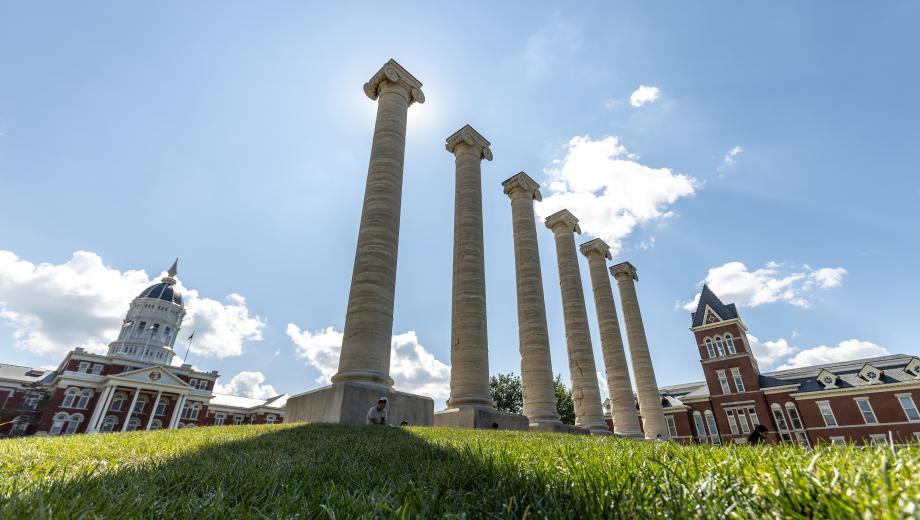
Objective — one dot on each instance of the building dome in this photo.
(165, 290)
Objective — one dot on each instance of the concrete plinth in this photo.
(559, 428)
(348, 402)
(479, 417)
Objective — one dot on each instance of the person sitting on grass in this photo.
(378, 413)
(757, 436)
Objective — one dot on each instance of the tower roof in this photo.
(708, 298)
(165, 290)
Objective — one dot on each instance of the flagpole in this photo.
(188, 346)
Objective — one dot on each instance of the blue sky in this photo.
(777, 159)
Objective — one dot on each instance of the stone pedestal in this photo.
(559, 428)
(349, 401)
(480, 418)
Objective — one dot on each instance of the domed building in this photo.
(136, 385)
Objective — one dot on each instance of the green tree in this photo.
(506, 393)
(565, 406)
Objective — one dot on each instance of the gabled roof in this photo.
(708, 298)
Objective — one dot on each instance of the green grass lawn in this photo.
(331, 471)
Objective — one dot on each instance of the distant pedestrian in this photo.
(757, 436)
(378, 413)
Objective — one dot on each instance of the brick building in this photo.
(134, 386)
(861, 401)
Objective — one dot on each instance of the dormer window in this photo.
(870, 374)
(827, 379)
(913, 368)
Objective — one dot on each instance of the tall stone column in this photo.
(585, 392)
(646, 385)
(536, 363)
(622, 403)
(368, 331)
(469, 347)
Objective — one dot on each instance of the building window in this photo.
(219, 419)
(237, 420)
(58, 425)
(156, 424)
(732, 425)
(668, 419)
(672, 428)
(161, 406)
(134, 424)
(166, 332)
(156, 329)
(826, 413)
(140, 327)
(85, 396)
(723, 382)
(193, 383)
(781, 424)
(74, 423)
(713, 429)
(83, 368)
(742, 421)
(838, 441)
(109, 423)
(700, 427)
(910, 409)
(736, 377)
(97, 368)
(709, 349)
(69, 398)
(731, 344)
(719, 347)
(118, 402)
(195, 409)
(31, 401)
(140, 404)
(878, 439)
(203, 384)
(866, 409)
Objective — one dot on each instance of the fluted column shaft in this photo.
(368, 331)
(622, 403)
(646, 384)
(536, 362)
(469, 355)
(586, 394)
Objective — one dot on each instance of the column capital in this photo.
(468, 137)
(624, 271)
(596, 246)
(563, 220)
(521, 182)
(394, 73)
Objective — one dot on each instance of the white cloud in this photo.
(769, 352)
(247, 384)
(844, 351)
(644, 94)
(730, 157)
(52, 308)
(608, 191)
(412, 367)
(734, 283)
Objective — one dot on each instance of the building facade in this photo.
(134, 386)
(862, 402)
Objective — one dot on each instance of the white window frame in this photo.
(913, 405)
(120, 399)
(109, 424)
(83, 402)
(720, 347)
(134, 424)
(73, 423)
(736, 377)
(219, 419)
(83, 367)
(70, 397)
(161, 406)
(830, 412)
(57, 426)
(194, 413)
(700, 426)
(837, 441)
(732, 424)
(140, 404)
(668, 420)
(782, 426)
(156, 424)
(713, 427)
(752, 413)
(270, 419)
(742, 420)
(237, 420)
(711, 350)
(730, 343)
(867, 412)
(97, 368)
(878, 439)
(723, 382)
(794, 416)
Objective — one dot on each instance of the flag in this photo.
(190, 336)
(126, 324)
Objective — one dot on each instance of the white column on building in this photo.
(153, 411)
(99, 409)
(137, 392)
(105, 409)
(180, 402)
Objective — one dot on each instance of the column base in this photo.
(347, 402)
(597, 429)
(479, 417)
(558, 428)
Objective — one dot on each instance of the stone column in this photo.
(646, 385)
(536, 363)
(469, 352)
(585, 392)
(365, 353)
(622, 403)
(130, 414)
(153, 411)
(99, 409)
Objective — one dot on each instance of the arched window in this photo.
(219, 419)
(161, 406)
(134, 424)
(700, 427)
(60, 419)
(730, 342)
(709, 349)
(713, 428)
(189, 425)
(270, 419)
(156, 424)
(118, 402)
(70, 396)
(186, 410)
(74, 423)
(109, 423)
(195, 409)
(794, 417)
(720, 348)
(85, 396)
(140, 404)
(781, 424)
